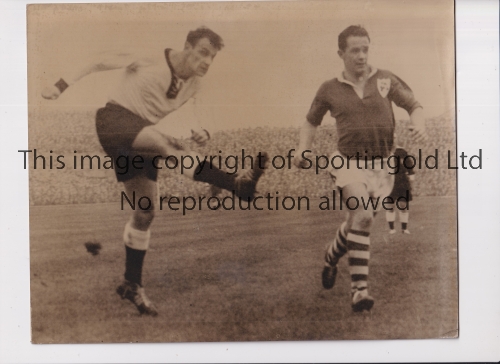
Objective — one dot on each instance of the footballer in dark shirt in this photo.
(360, 100)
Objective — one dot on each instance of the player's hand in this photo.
(200, 137)
(418, 133)
(51, 92)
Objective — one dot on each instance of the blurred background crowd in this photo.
(65, 132)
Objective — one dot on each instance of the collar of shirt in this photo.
(176, 82)
(359, 91)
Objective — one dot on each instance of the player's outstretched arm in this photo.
(306, 138)
(52, 92)
(417, 125)
(103, 62)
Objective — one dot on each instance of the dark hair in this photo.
(351, 31)
(203, 32)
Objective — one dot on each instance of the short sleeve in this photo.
(319, 107)
(402, 95)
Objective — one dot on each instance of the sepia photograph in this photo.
(243, 171)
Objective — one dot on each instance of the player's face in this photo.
(355, 55)
(200, 56)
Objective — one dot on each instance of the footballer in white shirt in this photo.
(152, 87)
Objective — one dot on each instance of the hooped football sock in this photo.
(358, 246)
(338, 247)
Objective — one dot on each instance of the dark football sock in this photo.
(391, 225)
(133, 265)
(214, 176)
(404, 225)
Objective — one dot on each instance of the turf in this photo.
(239, 276)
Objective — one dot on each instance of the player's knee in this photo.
(144, 218)
(363, 219)
(148, 214)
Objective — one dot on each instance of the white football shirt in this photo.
(144, 85)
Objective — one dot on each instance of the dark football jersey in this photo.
(364, 124)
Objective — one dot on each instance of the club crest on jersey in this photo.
(383, 85)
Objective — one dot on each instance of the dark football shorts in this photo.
(117, 128)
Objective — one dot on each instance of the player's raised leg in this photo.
(334, 251)
(150, 142)
(136, 238)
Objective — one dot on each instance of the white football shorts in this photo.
(378, 181)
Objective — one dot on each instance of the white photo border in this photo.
(477, 32)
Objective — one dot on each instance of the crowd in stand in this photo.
(63, 133)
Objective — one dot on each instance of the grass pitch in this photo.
(239, 276)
